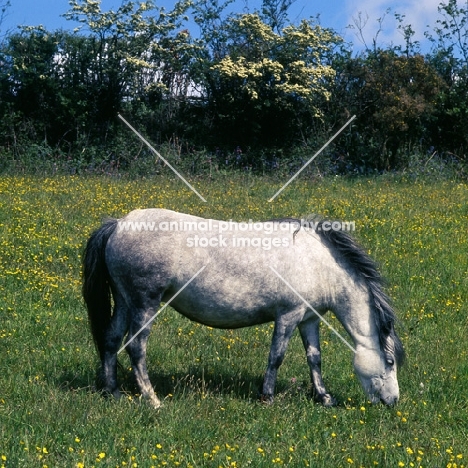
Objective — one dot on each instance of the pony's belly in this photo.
(220, 317)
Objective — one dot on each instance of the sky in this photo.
(336, 14)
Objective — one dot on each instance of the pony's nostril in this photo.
(389, 401)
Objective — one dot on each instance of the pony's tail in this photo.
(96, 287)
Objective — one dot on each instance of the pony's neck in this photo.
(355, 313)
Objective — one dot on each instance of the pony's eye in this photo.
(390, 362)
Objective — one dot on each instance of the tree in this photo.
(394, 97)
(30, 90)
(68, 87)
(137, 49)
(275, 13)
(267, 85)
(4, 5)
(449, 57)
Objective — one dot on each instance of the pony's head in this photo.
(377, 357)
(377, 370)
(376, 365)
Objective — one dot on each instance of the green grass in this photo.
(51, 416)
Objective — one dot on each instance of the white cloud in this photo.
(421, 15)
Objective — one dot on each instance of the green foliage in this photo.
(451, 31)
(275, 13)
(31, 75)
(394, 98)
(139, 52)
(450, 58)
(253, 81)
(265, 82)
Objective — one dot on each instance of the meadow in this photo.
(52, 416)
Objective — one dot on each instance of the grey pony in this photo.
(133, 264)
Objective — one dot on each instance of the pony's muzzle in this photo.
(390, 401)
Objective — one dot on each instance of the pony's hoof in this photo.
(116, 394)
(326, 400)
(266, 399)
(154, 402)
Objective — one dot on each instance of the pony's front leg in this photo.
(310, 337)
(136, 347)
(284, 328)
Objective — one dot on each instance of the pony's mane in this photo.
(349, 252)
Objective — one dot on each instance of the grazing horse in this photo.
(252, 274)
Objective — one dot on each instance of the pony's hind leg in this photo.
(137, 338)
(309, 330)
(113, 339)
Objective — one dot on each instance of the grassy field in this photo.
(50, 415)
